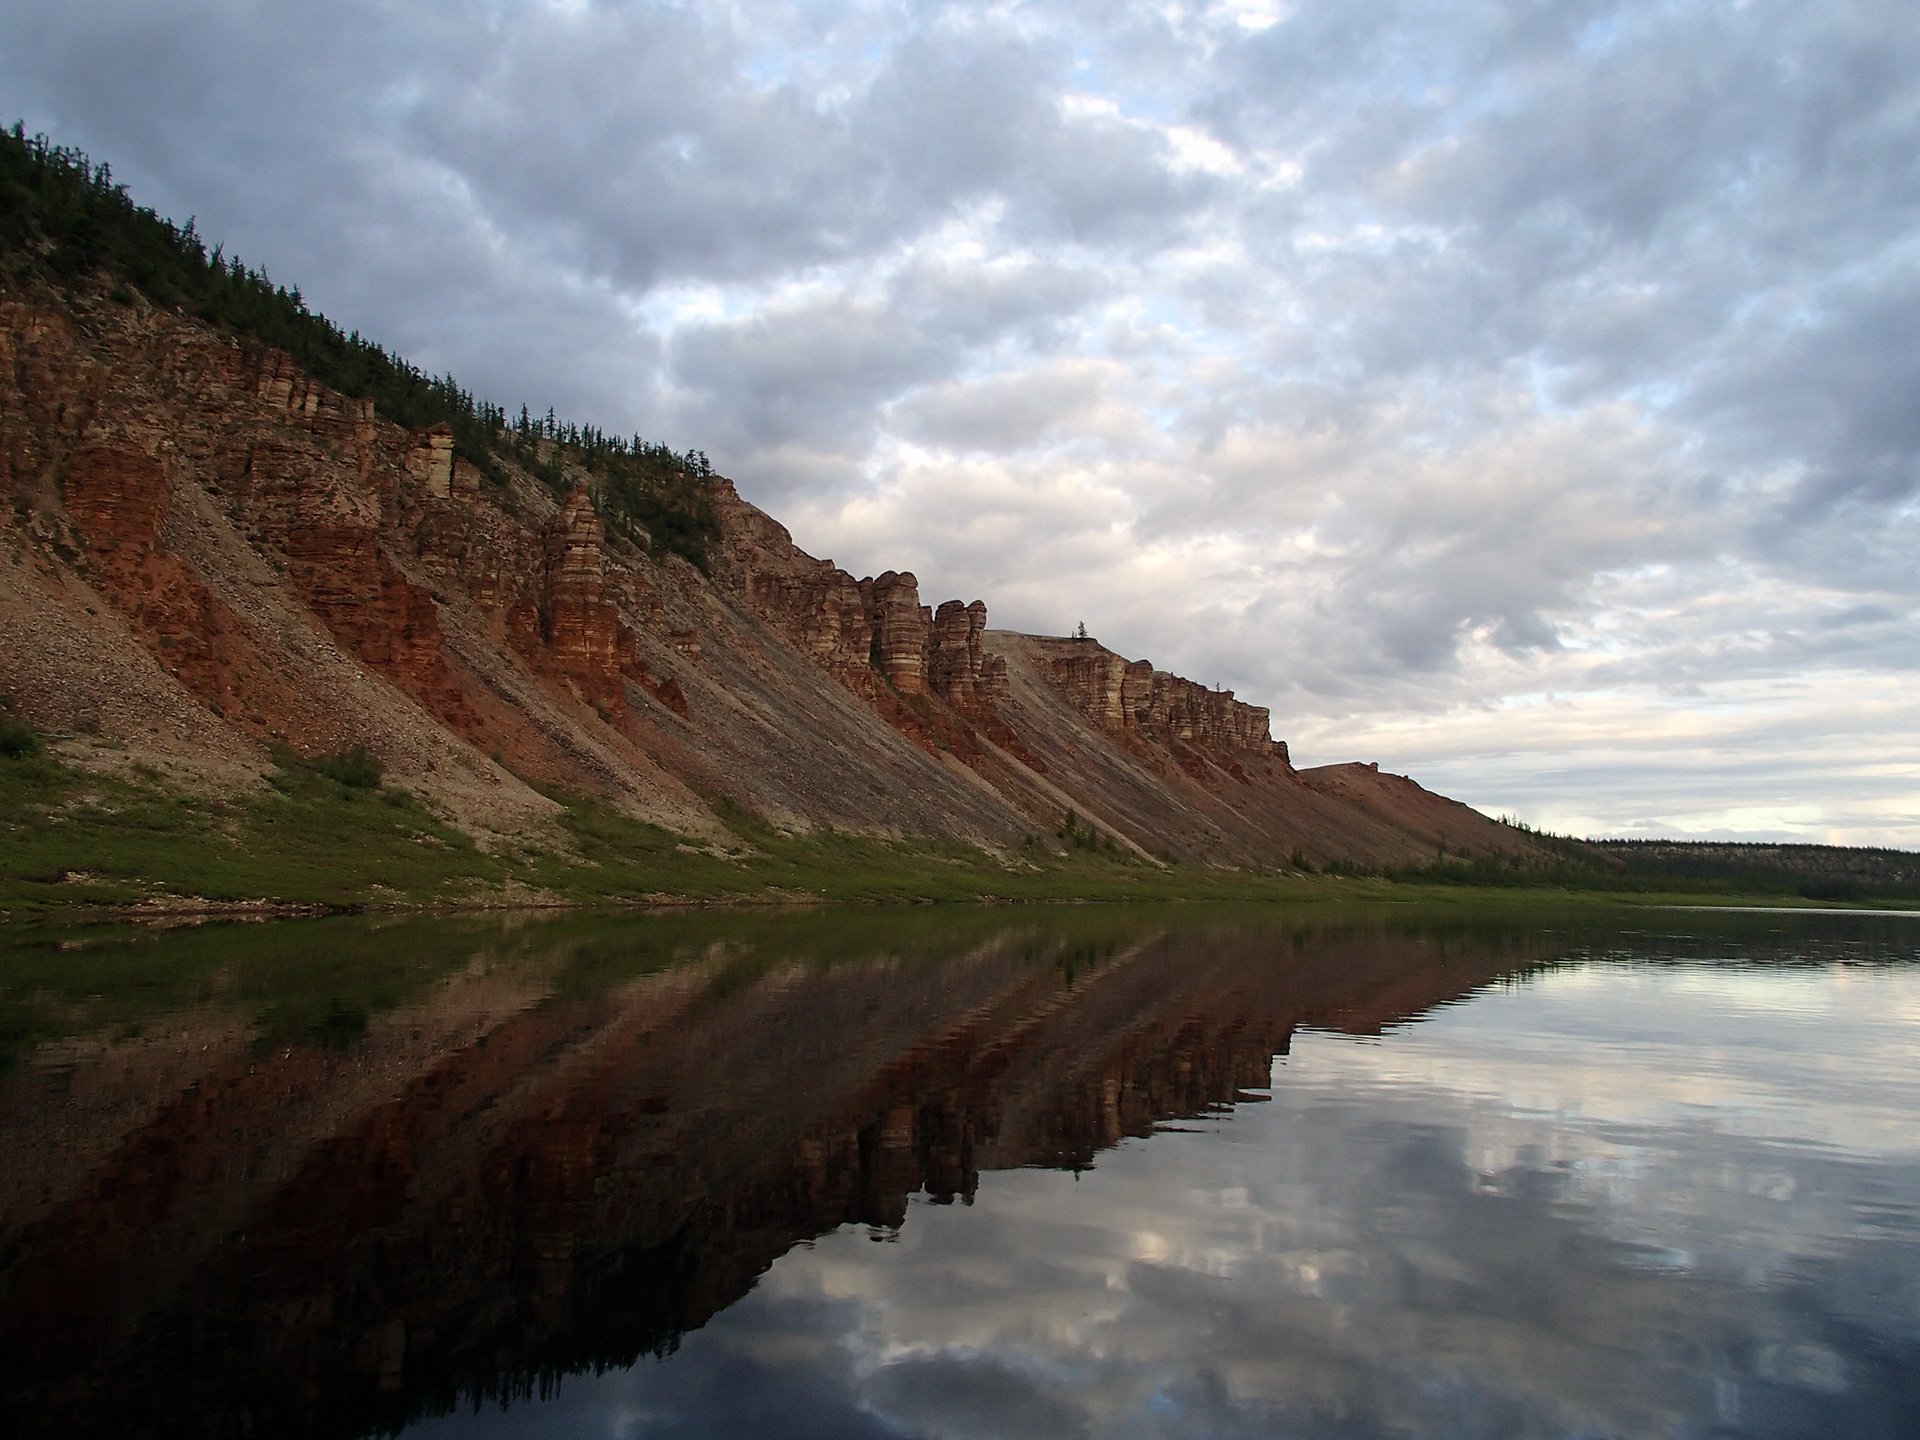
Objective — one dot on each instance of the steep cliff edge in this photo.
(205, 552)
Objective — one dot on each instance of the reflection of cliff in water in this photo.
(517, 1174)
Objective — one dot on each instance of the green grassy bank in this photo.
(328, 836)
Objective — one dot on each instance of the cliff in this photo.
(205, 552)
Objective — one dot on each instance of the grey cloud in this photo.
(811, 375)
(641, 153)
(819, 374)
(1004, 412)
(1028, 302)
(1856, 616)
(958, 111)
(201, 111)
(1595, 177)
(970, 112)
(1402, 238)
(1836, 386)
(1107, 183)
(1589, 149)
(1608, 769)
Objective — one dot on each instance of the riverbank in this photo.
(84, 845)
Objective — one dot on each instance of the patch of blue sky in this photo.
(819, 46)
(665, 308)
(1605, 32)
(1158, 306)
(1546, 381)
(1658, 394)
(767, 68)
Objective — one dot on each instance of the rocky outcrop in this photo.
(1182, 710)
(1131, 698)
(1091, 677)
(959, 669)
(922, 651)
(900, 627)
(582, 638)
(821, 608)
(430, 462)
(891, 636)
(814, 603)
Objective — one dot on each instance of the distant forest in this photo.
(1812, 872)
(1836, 874)
(66, 221)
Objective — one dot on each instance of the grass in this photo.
(618, 858)
(69, 839)
(324, 834)
(17, 741)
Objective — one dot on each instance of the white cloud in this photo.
(1418, 361)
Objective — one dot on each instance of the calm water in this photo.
(1172, 1172)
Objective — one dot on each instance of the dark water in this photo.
(1170, 1172)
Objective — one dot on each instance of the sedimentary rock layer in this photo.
(259, 559)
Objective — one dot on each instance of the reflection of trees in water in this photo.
(565, 1160)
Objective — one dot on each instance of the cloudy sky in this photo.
(1524, 395)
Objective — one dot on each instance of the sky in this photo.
(1525, 396)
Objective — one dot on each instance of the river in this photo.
(1318, 1171)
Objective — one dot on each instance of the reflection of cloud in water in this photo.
(1739, 1050)
(1395, 1246)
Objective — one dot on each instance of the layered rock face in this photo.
(958, 665)
(814, 603)
(1126, 697)
(860, 629)
(321, 489)
(355, 588)
(430, 462)
(305, 570)
(117, 499)
(241, 517)
(584, 641)
(823, 611)
(900, 627)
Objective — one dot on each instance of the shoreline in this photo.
(190, 912)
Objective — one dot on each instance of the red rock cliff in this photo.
(958, 666)
(900, 626)
(582, 638)
(1127, 697)
(301, 568)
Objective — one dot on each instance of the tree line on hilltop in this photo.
(66, 221)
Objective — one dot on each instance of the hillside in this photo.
(210, 556)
